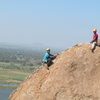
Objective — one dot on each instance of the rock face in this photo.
(75, 75)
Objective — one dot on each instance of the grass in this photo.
(14, 73)
(8, 76)
(7, 87)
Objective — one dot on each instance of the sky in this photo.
(53, 23)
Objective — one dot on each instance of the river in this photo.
(5, 92)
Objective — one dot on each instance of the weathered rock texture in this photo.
(75, 75)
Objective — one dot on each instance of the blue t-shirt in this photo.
(46, 56)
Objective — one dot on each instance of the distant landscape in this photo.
(17, 62)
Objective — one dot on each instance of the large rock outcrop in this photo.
(75, 75)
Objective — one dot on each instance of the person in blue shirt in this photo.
(48, 57)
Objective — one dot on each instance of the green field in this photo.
(17, 64)
(8, 76)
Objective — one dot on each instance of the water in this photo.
(8, 85)
(5, 92)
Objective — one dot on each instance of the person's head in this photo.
(48, 50)
(94, 31)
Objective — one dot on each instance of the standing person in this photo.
(48, 57)
(94, 40)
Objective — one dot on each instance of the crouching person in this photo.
(48, 57)
(94, 40)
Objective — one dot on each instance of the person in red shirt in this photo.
(94, 40)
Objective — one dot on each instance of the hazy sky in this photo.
(56, 23)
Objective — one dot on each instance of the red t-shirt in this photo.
(95, 36)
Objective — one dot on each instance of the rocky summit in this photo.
(75, 75)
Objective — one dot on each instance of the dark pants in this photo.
(49, 61)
